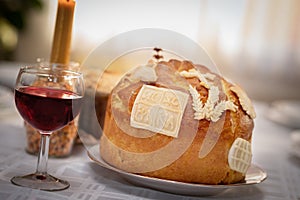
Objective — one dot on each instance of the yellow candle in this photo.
(63, 32)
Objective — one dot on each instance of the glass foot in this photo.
(41, 182)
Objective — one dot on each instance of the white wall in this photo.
(255, 43)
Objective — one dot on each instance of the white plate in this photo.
(295, 143)
(285, 112)
(254, 175)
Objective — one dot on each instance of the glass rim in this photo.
(42, 62)
(53, 69)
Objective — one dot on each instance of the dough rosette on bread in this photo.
(179, 121)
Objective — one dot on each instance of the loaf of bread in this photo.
(179, 121)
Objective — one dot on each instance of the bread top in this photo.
(213, 105)
(211, 95)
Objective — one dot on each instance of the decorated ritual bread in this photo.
(178, 121)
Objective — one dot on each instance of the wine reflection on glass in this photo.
(48, 97)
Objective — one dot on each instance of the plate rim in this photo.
(104, 164)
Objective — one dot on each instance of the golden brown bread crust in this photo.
(212, 169)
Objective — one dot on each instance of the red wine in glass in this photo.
(44, 102)
(47, 109)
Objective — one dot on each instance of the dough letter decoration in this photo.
(159, 110)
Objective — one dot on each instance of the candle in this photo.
(63, 31)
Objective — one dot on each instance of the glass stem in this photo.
(43, 154)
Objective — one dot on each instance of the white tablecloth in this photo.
(89, 181)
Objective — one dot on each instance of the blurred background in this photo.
(255, 43)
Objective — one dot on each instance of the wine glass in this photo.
(48, 97)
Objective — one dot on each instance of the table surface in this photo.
(89, 181)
